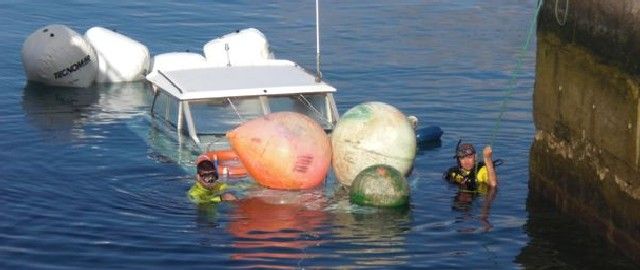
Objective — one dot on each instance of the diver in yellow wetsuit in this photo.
(468, 174)
(207, 188)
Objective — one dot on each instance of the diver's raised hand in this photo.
(487, 154)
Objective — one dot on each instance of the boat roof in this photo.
(235, 81)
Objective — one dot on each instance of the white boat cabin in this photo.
(207, 102)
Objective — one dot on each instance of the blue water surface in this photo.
(88, 182)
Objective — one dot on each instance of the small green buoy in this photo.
(380, 185)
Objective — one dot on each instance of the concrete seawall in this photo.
(609, 28)
(586, 153)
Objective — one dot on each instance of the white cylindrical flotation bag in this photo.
(176, 61)
(121, 58)
(241, 48)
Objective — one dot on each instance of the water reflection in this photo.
(123, 100)
(269, 224)
(62, 112)
(370, 236)
(428, 145)
(463, 203)
(58, 112)
(559, 241)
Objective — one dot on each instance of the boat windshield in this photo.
(221, 115)
(312, 105)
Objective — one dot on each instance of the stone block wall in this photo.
(586, 153)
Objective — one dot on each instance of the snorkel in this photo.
(207, 171)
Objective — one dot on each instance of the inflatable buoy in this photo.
(56, 55)
(380, 185)
(229, 163)
(176, 61)
(283, 150)
(428, 134)
(372, 133)
(121, 59)
(242, 48)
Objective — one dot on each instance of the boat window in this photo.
(312, 105)
(221, 115)
(166, 108)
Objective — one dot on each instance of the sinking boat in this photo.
(204, 103)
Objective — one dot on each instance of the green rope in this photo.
(514, 74)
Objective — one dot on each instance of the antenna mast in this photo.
(318, 73)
